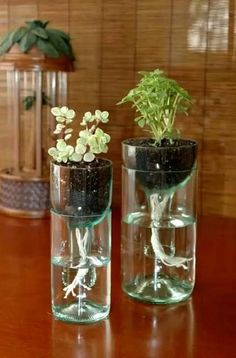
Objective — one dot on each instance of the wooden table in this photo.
(204, 326)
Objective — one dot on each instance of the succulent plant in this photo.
(91, 140)
(51, 42)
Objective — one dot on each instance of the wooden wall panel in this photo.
(193, 41)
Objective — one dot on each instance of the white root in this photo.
(157, 209)
(84, 265)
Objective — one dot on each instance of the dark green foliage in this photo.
(29, 101)
(47, 48)
(51, 42)
(27, 42)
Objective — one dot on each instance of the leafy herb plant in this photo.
(91, 140)
(158, 99)
(51, 42)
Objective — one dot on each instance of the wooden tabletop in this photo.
(204, 326)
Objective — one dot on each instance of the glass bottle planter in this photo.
(158, 223)
(81, 242)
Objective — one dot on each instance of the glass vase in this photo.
(81, 242)
(158, 230)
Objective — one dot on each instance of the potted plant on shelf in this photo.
(81, 199)
(158, 195)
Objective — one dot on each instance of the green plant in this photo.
(29, 101)
(51, 42)
(92, 140)
(158, 99)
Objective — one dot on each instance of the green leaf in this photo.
(7, 42)
(64, 110)
(84, 134)
(62, 34)
(80, 149)
(45, 23)
(34, 24)
(92, 141)
(56, 111)
(27, 42)
(40, 32)
(89, 157)
(61, 145)
(60, 126)
(47, 48)
(67, 136)
(52, 151)
(104, 117)
(70, 114)
(19, 34)
(28, 102)
(68, 130)
(81, 141)
(98, 114)
(87, 116)
(62, 45)
(141, 123)
(75, 157)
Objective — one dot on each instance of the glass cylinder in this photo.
(80, 267)
(158, 233)
(81, 241)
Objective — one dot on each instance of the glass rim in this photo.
(109, 164)
(192, 143)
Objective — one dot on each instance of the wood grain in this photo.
(193, 41)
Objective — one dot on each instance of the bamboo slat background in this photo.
(192, 40)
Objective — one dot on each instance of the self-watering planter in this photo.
(81, 190)
(158, 221)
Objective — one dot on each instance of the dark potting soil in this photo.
(87, 188)
(164, 165)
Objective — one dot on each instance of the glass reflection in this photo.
(91, 341)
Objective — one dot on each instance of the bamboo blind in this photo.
(193, 41)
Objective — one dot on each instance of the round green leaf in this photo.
(68, 130)
(70, 114)
(64, 110)
(60, 126)
(80, 149)
(84, 134)
(56, 111)
(75, 157)
(67, 136)
(104, 117)
(81, 140)
(60, 119)
(87, 116)
(52, 151)
(70, 149)
(89, 157)
(98, 114)
(61, 145)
